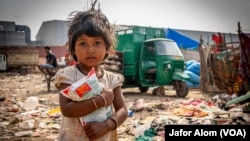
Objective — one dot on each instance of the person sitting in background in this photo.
(69, 61)
(50, 64)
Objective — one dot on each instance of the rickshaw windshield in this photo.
(167, 48)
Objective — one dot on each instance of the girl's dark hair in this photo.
(92, 23)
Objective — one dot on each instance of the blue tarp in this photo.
(182, 40)
(193, 71)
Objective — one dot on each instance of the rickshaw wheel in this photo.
(22, 71)
(181, 88)
(143, 89)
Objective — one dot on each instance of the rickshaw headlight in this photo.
(167, 66)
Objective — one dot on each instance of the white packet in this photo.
(86, 88)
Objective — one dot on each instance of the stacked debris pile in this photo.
(224, 65)
(114, 62)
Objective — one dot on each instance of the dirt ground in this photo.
(17, 89)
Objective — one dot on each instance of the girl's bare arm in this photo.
(121, 111)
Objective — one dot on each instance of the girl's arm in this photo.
(97, 129)
(121, 111)
(71, 108)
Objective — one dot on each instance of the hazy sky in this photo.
(204, 15)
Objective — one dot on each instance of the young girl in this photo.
(91, 39)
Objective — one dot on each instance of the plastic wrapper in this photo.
(86, 88)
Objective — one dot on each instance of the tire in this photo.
(143, 89)
(182, 89)
(22, 71)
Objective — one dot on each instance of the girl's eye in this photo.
(83, 44)
(94, 44)
(98, 43)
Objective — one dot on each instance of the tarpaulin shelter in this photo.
(182, 40)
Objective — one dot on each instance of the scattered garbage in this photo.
(30, 104)
(27, 113)
(24, 133)
(130, 113)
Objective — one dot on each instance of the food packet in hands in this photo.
(86, 88)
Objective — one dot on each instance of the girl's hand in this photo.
(95, 130)
(108, 95)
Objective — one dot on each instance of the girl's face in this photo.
(90, 51)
